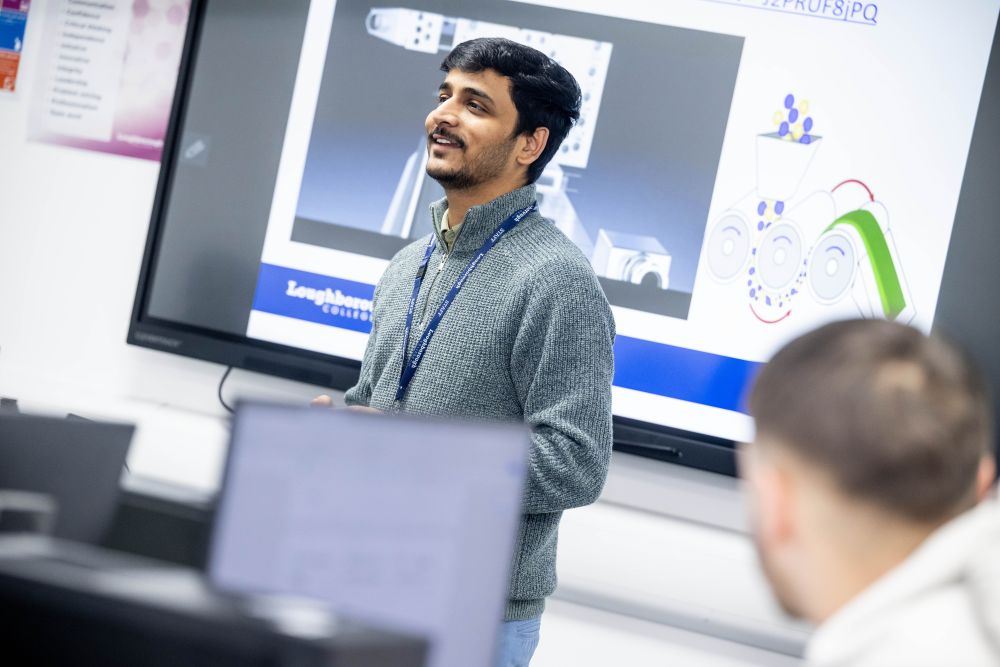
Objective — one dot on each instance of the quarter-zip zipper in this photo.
(434, 278)
(430, 289)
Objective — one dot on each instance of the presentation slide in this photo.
(742, 171)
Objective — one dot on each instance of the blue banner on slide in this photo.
(687, 375)
(654, 368)
(315, 298)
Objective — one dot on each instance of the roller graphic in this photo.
(828, 246)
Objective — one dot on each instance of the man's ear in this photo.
(772, 496)
(986, 476)
(531, 145)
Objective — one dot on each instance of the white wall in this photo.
(653, 574)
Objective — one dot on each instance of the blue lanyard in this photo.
(410, 366)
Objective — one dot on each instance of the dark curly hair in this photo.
(545, 94)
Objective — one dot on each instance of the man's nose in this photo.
(444, 114)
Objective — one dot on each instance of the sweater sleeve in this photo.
(562, 365)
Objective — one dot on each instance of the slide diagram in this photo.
(616, 188)
(827, 246)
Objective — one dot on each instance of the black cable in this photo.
(222, 382)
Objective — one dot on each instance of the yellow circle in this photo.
(777, 117)
(804, 107)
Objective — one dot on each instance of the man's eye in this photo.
(476, 106)
(441, 98)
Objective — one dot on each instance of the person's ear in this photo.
(531, 145)
(985, 477)
(772, 498)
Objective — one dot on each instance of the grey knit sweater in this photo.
(528, 338)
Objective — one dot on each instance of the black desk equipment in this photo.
(70, 604)
(76, 463)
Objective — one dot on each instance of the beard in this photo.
(488, 165)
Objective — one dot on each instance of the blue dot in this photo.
(752, 270)
(753, 293)
(794, 291)
(760, 225)
(779, 208)
(754, 251)
(783, 129)
(793, 115)
(806, 139)
(780, 304)
(761, 207)
(749, 283)
(789, 101)
(767, 300)
(807, 124)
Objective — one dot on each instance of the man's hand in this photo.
(364, 408)
(325, 401)
(322, 401)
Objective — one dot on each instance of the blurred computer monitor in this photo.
(77, 463)
(398, 521)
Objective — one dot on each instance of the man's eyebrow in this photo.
(468, 90)
(475, 92)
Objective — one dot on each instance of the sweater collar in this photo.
(482, 220)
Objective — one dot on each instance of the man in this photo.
(872, 454)
(526, 332)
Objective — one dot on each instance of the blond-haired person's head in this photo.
(870, 436)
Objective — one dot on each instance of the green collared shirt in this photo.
(449, 234)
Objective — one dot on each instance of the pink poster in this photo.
(107, 75)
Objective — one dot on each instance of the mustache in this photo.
(445, 134)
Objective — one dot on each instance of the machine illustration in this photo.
(827, 246)
(614, 254)
(641, 260)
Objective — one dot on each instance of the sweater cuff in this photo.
(523, 610)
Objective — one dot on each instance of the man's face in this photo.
(470, 134)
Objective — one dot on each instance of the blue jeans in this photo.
(518, 640)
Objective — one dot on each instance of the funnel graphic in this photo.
(782, 164)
